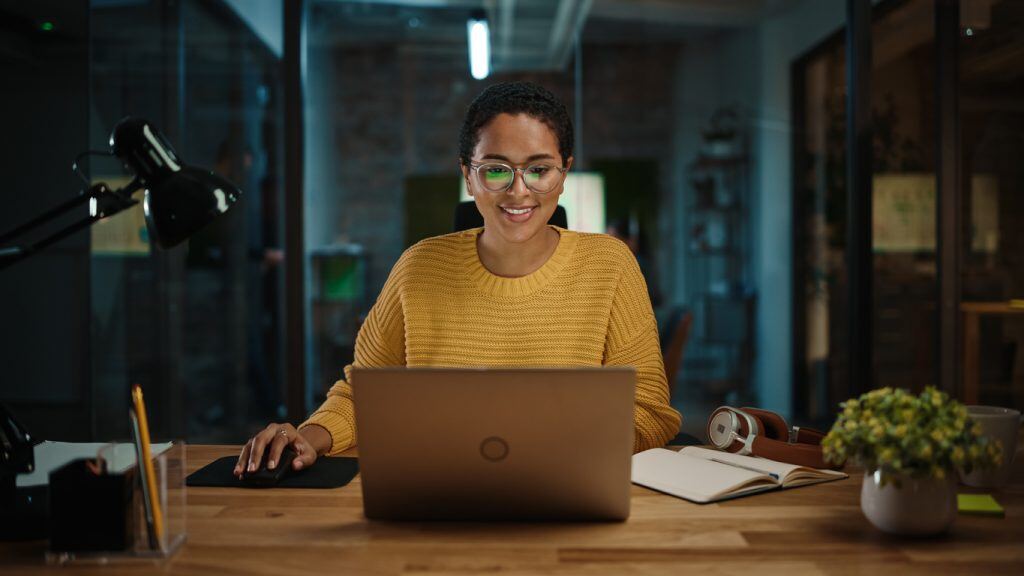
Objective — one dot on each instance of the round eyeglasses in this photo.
(498, 177)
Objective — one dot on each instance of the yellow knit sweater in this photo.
(586, 306)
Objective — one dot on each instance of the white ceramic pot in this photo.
(918, 507)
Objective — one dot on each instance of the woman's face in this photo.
(519, 141)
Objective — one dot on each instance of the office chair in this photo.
(673, 334)
(467, 216)
(673, 343)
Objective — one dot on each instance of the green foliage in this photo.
(901, 434)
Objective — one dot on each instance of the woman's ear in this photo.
(568, 166)
(465, 176)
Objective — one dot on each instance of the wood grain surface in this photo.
(811, 530)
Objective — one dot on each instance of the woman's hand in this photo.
(272, 440)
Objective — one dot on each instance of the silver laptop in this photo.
(494, 444)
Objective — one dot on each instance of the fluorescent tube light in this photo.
(479, 46)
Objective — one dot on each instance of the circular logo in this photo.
(494, 449)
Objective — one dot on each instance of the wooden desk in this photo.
(972, 313)
(812, 530)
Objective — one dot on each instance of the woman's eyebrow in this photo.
(543, 156)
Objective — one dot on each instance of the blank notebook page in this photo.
(692, 478)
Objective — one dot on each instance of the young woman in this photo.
(516, 292)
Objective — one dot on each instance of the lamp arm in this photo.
(107, 203)
(45, 217)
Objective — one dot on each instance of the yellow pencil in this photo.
(147, 463)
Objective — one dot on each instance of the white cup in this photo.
(1001, 424)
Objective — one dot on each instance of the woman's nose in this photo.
(518, 187)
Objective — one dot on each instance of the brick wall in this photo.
(395, 111)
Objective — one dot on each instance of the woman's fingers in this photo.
(270, 442)
(282, 437)
(259, 444)
(243, 458)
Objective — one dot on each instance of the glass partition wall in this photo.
(906, 91)
(198, 326)
(903, 214)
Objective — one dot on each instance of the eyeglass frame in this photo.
(476, 166)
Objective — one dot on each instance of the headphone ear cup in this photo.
(723, 428)
(773, 425)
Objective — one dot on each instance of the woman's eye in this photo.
(538, 170)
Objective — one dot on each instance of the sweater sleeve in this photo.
(632, 340)
(380, 343)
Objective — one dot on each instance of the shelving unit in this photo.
(718, 277)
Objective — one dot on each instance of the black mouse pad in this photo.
(327, 472)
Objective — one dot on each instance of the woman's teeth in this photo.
(515, 211)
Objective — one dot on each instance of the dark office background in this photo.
(753, 243)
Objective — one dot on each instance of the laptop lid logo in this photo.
(494, 449)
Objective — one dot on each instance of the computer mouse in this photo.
(264, 478)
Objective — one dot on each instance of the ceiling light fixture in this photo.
(479, 45)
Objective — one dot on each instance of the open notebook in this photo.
(704, 475)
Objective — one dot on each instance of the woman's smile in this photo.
(518, 214)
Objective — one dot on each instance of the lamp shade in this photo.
(179, 199)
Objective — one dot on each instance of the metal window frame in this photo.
(949, 196)
(294, 198)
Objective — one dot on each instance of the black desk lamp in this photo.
(179, 199)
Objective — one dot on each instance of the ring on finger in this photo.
(283, 432)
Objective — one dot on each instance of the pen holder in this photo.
(90, 511)
(102, 518)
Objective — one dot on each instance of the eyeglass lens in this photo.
(538, 177)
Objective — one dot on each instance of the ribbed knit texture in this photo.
(586, 306)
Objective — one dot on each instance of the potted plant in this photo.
(910, 448)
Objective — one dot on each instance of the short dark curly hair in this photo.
(515, 98)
